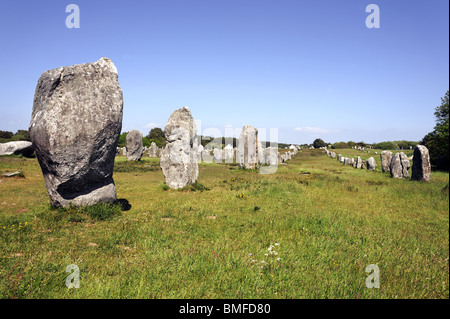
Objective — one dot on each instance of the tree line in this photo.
(389, 145)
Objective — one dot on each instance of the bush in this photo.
(339, 145)
(122, 140)
(6, 134)
(145, 142)
(385, 146)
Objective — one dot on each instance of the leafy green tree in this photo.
(403, 145)
(351, 144)
(146, 142)
(437, 141)
(122, 139)
(361, 144)
(6, 134)
(318, 143)
(156, 135)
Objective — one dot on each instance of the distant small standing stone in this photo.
(135, 148)
(386, 157)
(371, 164)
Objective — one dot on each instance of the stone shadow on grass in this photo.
(124, 204)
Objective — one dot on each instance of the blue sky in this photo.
(308, 68)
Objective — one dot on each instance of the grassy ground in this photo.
(326, 222)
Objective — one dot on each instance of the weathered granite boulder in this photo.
(421, 168)
(153, 150)
(179, 157)
(23, 148)
(248, 147)
(399, 166)
(385, 157)
(74, 128)
(371, 164)
(358, 162)
(135, 149)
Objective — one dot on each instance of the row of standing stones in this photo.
(257, 154)
(396, 164)
(74, 129)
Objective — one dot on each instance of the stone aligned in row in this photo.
(397, 165)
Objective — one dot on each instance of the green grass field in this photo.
(326, 222)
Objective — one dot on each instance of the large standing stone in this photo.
(385, 157)
(421, 168)
(74, 128)
(371, 164)
(135, 148)
(399, 165)
(24, 148)
(248, 147)
(179, 157)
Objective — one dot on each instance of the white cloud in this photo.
(313, 130)
(152, 125)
